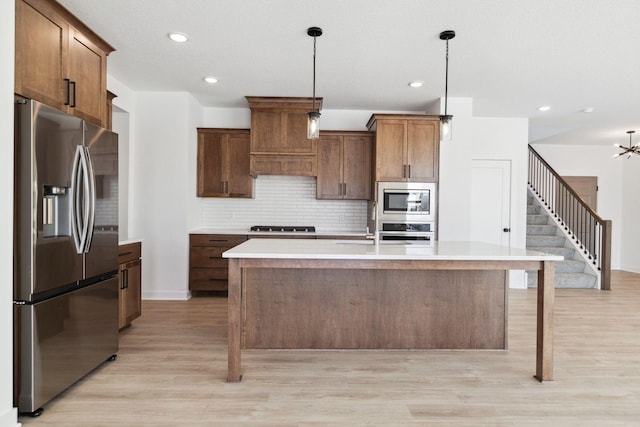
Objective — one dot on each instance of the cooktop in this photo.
(286, 229)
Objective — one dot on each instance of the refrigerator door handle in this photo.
(76, 200)
(90, 199)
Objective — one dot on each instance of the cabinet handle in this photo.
(409, 171)
(122, 279)
(73, 103)
(226, 186)
(344, 188)
(67, 83)
(218, 240)
(126, 278)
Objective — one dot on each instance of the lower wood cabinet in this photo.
(130, 275)
(207, 269)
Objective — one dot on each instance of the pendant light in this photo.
(445, 119)
(631, 149)
(313, 117)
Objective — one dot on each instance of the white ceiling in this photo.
(510, 56)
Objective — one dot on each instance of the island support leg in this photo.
(234, 286)
(544, 344)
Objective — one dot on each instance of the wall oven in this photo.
(423, 233)
(406, 211)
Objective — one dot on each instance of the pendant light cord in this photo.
(314, 74)
(446, 79)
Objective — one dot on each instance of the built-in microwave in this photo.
(406, 201)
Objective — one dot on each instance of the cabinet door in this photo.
(356, 167)
(422, 151)
(329, 183)
(295, 138)
(390, 150)
(266, 132)
(41, 42)
(237, 165)
(210, 160)
(133, 300)
(87, 72)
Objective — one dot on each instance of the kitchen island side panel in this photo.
(374, 309)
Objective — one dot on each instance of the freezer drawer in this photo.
(62, 339)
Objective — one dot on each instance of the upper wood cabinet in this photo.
(279, 144)
(59, 61)
(344, 165)
(406, 147)
(223, 163)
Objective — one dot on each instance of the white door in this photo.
(491, 201)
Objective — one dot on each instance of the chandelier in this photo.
(631, 149)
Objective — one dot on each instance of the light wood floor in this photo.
(172, 363)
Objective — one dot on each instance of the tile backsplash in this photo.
(285, 200)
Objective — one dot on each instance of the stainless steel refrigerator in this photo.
(66, 252)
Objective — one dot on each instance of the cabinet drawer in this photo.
(207, 256)
(212, 279)
(226, 240)
(129, 252)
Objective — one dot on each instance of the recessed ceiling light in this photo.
(178, 37)
(544, 108)
(416, 84)
(210, 79)
(588, 110)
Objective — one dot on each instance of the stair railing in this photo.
(589, 231)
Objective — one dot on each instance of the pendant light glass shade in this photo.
(313, 117)
(445, 127)
(313, 125)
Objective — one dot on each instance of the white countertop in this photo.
(128, 241)
(346, 249)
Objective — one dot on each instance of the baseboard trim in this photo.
(166, 295)
(10, 418)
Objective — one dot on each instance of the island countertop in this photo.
(366, 250)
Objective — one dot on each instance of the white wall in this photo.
(8, 414)
(481, 138)
(629, 247)
(164, 127)
(576, 160)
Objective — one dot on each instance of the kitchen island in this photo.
(331, 294)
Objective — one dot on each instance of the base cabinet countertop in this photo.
(340, 294)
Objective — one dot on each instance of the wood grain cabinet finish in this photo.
(406, 147)
(207, 269)
(59, 61)
(279, 144)
(130, 275)
(344, 165)
(223, 163)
